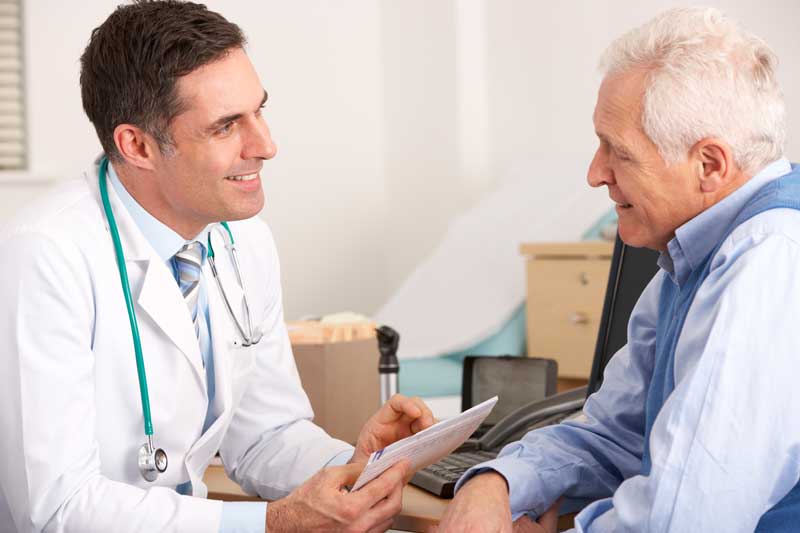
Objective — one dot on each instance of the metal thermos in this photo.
(388, 366)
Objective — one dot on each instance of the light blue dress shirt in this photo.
(725, 446)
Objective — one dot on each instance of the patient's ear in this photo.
(713, 160)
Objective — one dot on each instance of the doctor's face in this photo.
(652, 198)
(220, 141)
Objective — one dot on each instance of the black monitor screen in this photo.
(631, 271)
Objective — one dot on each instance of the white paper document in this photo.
(427, 446)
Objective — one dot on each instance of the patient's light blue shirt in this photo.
(725, 446)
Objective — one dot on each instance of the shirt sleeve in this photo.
(587, 458)
(243, 517)
(725, 445)
(251, 517)
(341, 458)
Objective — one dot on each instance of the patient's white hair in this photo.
(706, 77)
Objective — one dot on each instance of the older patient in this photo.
(695, 427)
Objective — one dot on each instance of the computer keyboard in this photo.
(440, 478)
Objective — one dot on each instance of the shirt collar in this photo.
(695, 239)
(164, 240)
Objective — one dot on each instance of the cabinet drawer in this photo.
(564, 305)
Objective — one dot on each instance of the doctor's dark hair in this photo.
(130, 68)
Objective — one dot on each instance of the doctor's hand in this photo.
(398, 418)
(323, 503)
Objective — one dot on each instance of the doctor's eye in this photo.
(226, 129)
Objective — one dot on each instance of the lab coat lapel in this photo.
(225, 340)
(161, 299)
(222, 335)
(159, 296)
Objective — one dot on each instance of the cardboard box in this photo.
(341, 380)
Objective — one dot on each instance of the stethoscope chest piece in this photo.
(152, 462)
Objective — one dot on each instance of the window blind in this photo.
(12, 95)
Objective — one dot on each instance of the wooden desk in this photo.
(420, 509)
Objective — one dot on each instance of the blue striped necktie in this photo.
(189, 260)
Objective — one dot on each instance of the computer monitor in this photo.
(631, 271)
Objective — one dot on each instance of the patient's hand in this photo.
(480, 505)
(547, 523)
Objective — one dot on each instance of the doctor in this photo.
(177, 106)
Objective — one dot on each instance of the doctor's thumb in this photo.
(346, 475)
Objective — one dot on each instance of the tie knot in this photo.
(192, 251)
(190, 261)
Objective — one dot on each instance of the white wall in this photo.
(543, 75)
(390, 117)
(321, 63)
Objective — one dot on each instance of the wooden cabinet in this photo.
(566, 285)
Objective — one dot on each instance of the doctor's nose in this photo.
(600, 173)
(258, 143)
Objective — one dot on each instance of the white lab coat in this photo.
(70, 411)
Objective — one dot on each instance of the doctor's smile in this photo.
(246, 182)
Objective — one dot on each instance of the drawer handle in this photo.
(584, 278)
(578, 318)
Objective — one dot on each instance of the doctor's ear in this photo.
(136, 147)
(714, 160)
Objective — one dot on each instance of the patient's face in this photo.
(652, 199)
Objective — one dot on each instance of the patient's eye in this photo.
(622, 155)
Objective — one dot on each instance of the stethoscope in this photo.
(153, 461)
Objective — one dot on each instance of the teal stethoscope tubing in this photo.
(249, 337)
(126, 290)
